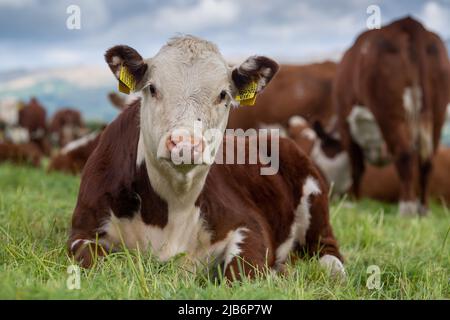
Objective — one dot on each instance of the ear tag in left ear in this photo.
(126, 80)
(247, 95)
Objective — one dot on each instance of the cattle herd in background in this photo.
(371, 124)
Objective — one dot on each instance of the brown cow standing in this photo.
(399, 74)
(66, 125)
(303, 90)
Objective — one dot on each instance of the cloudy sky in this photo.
(33, 33)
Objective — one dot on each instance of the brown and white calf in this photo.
(132, 193)
(399, 75)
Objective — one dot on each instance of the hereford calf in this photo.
(399, 75)
(134, 191)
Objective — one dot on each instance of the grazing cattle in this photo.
(33, 117)
(24, 153)
(135, 192)
(303, 90)
(398, 75)
(72, 158)
(66, 125)
(74, 155)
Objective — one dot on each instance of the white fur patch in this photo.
(79, 142)
(301, 222)
(9, 111)
(297, 121)
(366, 133)
(309, 134)
(333, 266)
(84, 241)
(336, 170)
(233, 242)
(17, 135)
(408, 208)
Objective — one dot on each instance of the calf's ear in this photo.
(257, 69)
(131, 77)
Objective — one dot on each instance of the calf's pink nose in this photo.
(196, 143)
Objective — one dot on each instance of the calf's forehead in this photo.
(176, 68)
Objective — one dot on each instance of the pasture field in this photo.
(413, 254)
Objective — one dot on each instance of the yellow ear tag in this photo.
(126, 80)
(247, 95)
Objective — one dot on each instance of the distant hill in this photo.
(84, 88)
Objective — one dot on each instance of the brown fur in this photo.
(282, 99)
(374, 73)
(233, 196)
(26, 153)
(383, 183)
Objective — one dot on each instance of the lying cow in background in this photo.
(66, 125)
(303, 90)
(134, 191)
(379, 183)
(73, 156)
(400, 74)
(24, 153)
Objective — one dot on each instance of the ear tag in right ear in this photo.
(126, 80)
(247, 95)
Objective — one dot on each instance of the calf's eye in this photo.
(222, 95)
(152, 90)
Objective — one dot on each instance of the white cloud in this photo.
(205, 14)
(436, 17)
(16, 3)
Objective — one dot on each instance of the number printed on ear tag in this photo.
(247, 95)
(126, 80)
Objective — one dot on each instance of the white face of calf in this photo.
(187, 90)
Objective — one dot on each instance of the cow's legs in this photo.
(320, 239)
(425, 168)
(254, 254)
(356, 157)
(85, 244)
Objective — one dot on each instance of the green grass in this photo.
(35, 211)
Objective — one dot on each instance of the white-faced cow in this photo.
(133, 193)
(399, 75)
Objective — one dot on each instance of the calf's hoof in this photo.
(408, 208)
(333, 266)
(423, 210)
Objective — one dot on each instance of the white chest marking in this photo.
(183, 233)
